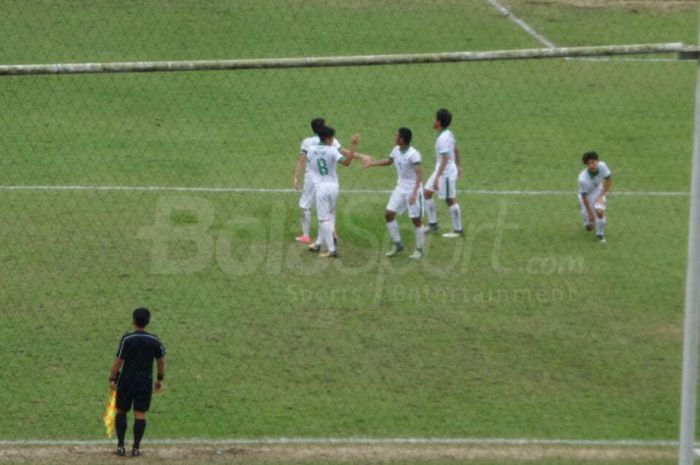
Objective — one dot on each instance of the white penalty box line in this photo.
(330, 441)
(250, 190)
(542, 39)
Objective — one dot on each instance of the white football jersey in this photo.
(311, 141)
(592, 184)
(322, 163)
(445, 147)
(405, 163)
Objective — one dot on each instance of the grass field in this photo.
(525, 329)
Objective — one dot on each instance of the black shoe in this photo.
(120, 452)
(135, 452)
(433, 227)
(314, 248)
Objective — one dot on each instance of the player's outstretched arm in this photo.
(370, 162)
(355, 141)
(361, 156)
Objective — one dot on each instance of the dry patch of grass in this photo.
(662, 5)
(309, 454)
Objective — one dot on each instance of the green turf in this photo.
(526, 328)
(570, 25)
(529, 338)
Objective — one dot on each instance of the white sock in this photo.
(456, 217)
(432, 212)
(393, 228)
(306, 222)
(327, 235)
(600, 226)
(420, 238)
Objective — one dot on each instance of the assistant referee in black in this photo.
(132, 377)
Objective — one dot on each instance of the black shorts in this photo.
(136, 390)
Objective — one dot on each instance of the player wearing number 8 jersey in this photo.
(308, 188)
(323, 160)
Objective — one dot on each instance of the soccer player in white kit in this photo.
(594, 183)
(307, 189)
(444, 178)
(408, 193)
(323, 159)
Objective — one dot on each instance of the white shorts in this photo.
(307, 194)
(326, 198)
(597, 204)
(447, 187)
(398, 202)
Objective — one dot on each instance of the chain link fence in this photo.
(175, 191)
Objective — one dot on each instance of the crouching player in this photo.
(594, 184)
(408, 194)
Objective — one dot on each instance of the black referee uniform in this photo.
(138, 350)
(132, 375)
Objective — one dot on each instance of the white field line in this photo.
(250, 190)
(356, 441)
(532, 32)
(523, 25)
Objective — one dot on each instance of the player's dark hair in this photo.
(142, 317)
(317, 124)
(444, 116)
(406, 135)
(325, 132)
(589, 156)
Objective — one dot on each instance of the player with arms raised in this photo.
(307, 189)
(594, 183)
(444, 178)
(323, 159)
(408, 193)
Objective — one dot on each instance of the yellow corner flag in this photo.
(110, 413)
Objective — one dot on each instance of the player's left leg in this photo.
(393, 227)
(430, 207)
(305, 203)
(397, 204)
(120, 427)
(326, 217)
(125, 398)
(415, 212)
(450, 196)
(142, 403)
(601, 219)
(139, 430)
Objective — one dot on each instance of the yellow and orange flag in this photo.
(110, 412)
